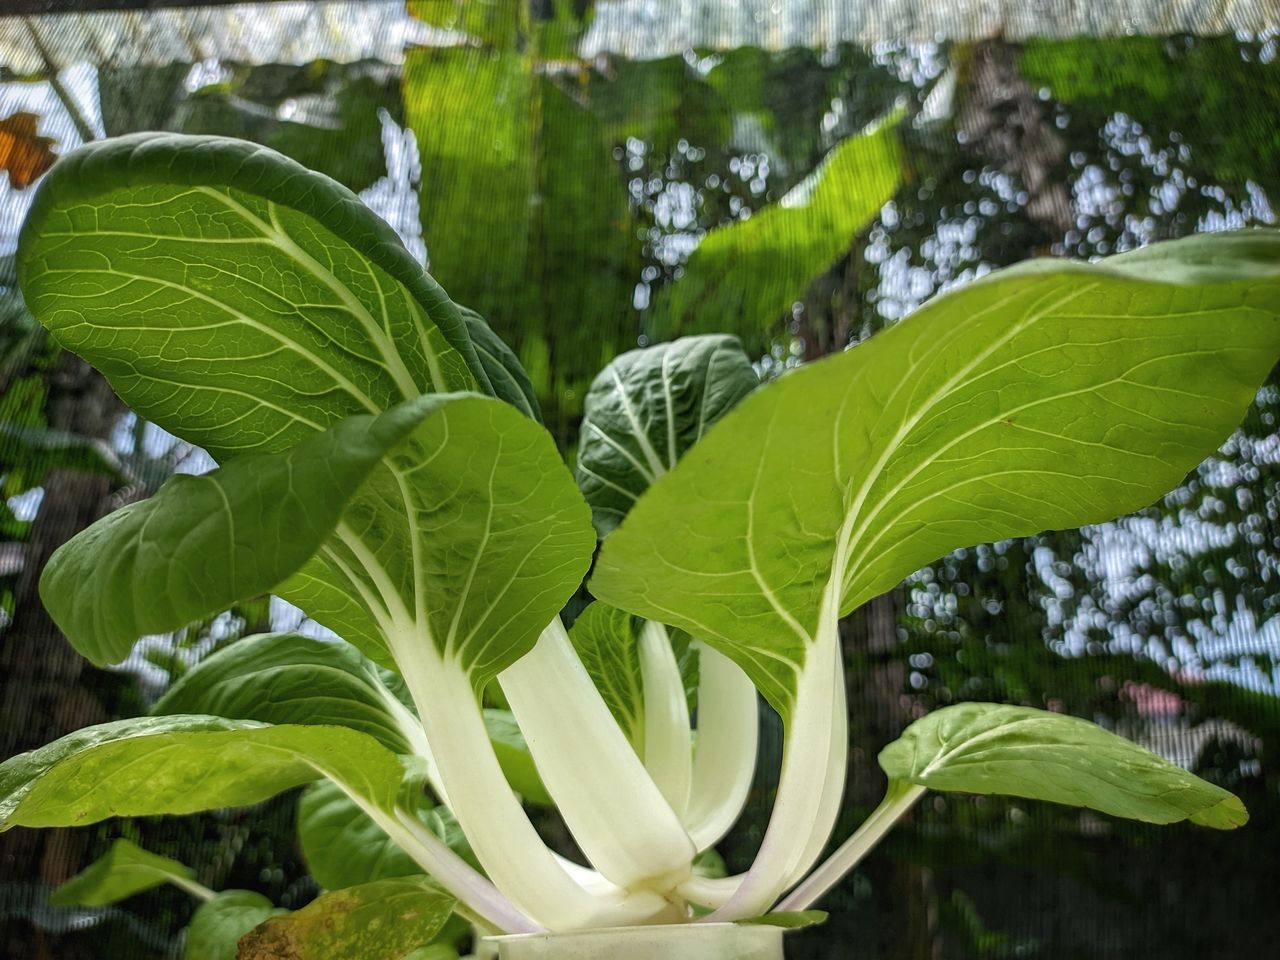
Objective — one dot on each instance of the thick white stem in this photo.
(724, 760)
(668, 738)
(490, 814)
(799, 813)
(616, 813)
(899, 798)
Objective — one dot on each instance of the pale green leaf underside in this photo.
(1017, 751)
(382, 920)
(217, 926)
(202, 543)
(608, 645)
(472, 536)
(646, 409)
(176, 765)
(124, 870)
(288, 678)
(1048, 395)
(746, 276)
(232, 296)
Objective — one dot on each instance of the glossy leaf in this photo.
(217, 926)
(646, 409)
(288, 678)
(231, 295)
(125, 869)
(745, 276)
(157, 765)
(1048, 395)
(382, 920)
(1017, 751)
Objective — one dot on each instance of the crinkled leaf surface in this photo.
(204, 542)
(232, 296)
(745, 276)
(287, 678)
(507, 377)
(125, 869)
(217, 926)
(646, 408)
(382, 920)
(157, 765)
(1048, 395)
(1017, 751)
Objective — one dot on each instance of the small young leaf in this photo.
(231, 295)
(122, 871)
(217, 926)
(156, 765)
(382, 920)
(646, 409)
(1017, 751)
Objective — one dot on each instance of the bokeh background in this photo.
(592, 176)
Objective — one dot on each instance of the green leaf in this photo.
(157, 765)
(507, 377)
(1017, 751)
(748, 274)
(217, 926)
(202, 543)
(790, 920)
(608, 644)
(286, 678)
(122, 871)
(344, 847)
(232, 296)
(474, 524)
(513, 756)
(38, 450)
(1047, 395)
(382, 920)
(646, 409)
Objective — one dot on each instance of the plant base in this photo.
(682, 941)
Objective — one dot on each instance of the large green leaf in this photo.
(646, 409)
(202, 543)
(156, 765)
(746, 276)
(507, 377)
(1017, 751)
(1048, 395)
(232, 296)
(474, 533)
(217, 926)
(382, 920)
(122, 871)
(287, 678)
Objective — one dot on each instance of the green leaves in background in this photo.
(288, 678)
(607, 643)
(157, 765)
(211, 280)
(507, 377)
(217, 926)
(1048, 395)
(382, 920)
(1017, 751)
(121, 872)
(646, 409)
(746, 276)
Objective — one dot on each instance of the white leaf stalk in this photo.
(668, 738)
(724, 760)
(615, 811)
